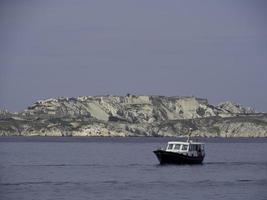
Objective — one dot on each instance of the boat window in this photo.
(184, 147)
(177, 146)
(170, 146)
(192, 147)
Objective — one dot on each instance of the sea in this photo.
(76, 168)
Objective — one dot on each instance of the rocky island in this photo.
(132, 115)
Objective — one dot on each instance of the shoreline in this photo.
(128, 139)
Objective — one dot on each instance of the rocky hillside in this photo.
(134, 116)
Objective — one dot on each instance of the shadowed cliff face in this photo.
(134, 116)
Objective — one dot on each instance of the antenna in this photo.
(189, 134)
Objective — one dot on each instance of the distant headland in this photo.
(133, 115)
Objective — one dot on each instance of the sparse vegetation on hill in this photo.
(133, 116)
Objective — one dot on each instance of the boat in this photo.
(178, 152)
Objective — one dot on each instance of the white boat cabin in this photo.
(187, 148)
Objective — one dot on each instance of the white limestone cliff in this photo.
(132, 115)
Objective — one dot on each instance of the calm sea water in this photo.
(126, 168)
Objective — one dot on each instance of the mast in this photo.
(189, 134)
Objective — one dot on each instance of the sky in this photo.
(211, 49)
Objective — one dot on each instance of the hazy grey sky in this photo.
(215, 49)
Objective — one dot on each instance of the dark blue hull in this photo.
(166, 157)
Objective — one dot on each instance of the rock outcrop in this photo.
(133, 116)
